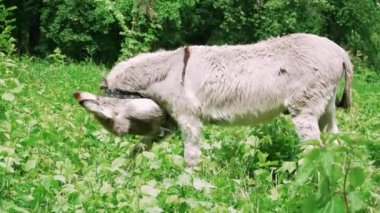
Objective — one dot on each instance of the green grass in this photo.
(54, 157)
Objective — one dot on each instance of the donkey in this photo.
(239, 85)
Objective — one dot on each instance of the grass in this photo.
(54, 157)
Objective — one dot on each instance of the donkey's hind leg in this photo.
(306, 109)
(306, 126)
(327, 122)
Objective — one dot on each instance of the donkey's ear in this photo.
(91, 104)
(103, 84)
(98, 110)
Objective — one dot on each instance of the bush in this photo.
(81, 29)
(352, 24)
(6, 26)
(357, 25)
(335, 177)
(106, 30)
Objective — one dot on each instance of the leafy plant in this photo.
(7, 42)
(81, 29)
(339, 176)
(57, 57)
(54, 157)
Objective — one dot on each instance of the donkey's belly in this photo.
(228, 117)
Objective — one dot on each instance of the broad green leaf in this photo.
(304, 172)
(166, 183)
(3, 116)
(310, 204)
(2, 82)
(8, 97)
(262, 156)
(7, 167)
(337, 172)
(335, 205)
(18, 89)
(356, 202)
(154, 209)
(9, 151)
(31, 164)
(106, 188)
(326, 160)
(202, 184)
(154, 164)
(5, 126)
(117, 163)
(184, 179)
(149, 155)
(73, 197)
(274, 194)
(60, 178)
(173, 199)
(192, 202)
(356, 176)
(147, 201)
(19, 209)
(69, 188)
(289, 166)
(313, 154)
(27, 197)
(123, 204)
(177, 160)
(323, 187)
(149, 190)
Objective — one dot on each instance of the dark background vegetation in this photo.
(108, 30)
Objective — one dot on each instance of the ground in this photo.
(55, 157)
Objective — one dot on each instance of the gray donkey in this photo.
(233, 85)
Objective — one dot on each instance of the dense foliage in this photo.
(54, 156)
(6, 26)
(105, 29)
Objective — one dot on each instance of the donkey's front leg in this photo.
(191, 129)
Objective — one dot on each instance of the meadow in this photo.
(54, 157)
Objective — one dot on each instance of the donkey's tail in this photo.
(345, 102)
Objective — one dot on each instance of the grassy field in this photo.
(54, 157)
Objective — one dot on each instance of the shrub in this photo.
(106, 30)
(7, 45)
(81, 29)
